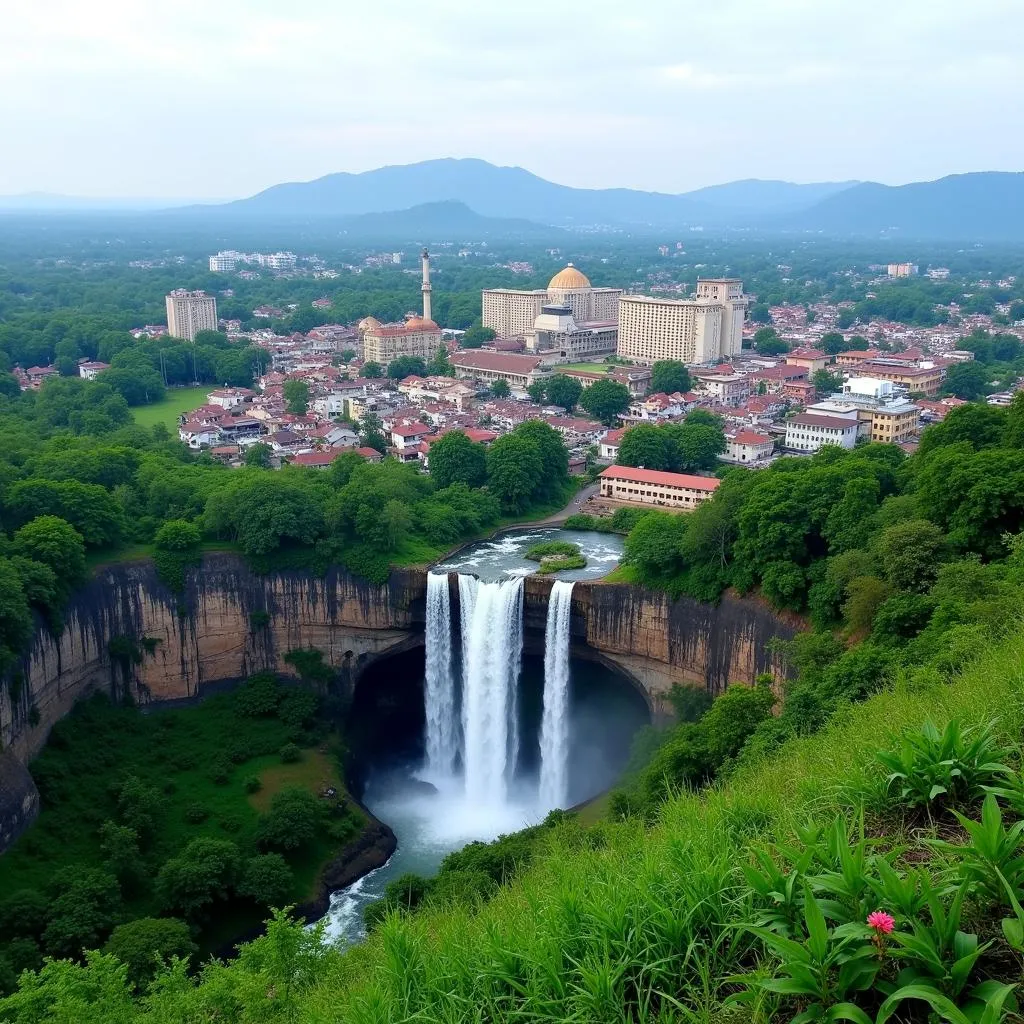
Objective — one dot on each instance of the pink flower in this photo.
(882, 922)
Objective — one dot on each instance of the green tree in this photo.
(57, 544)
(647, 446)
(396, 523)
(514, 467)
(371, 433)
(826, 382)
(121, 854)
(968, 380)
(564, 391)
(768, 343)
(292, 821)
(372, 370)
(296, 396)
(178, 535)
(141, 945)
(456, 459)
(204, 872)
(554, 458)
(833, 342)
(698, 445)
(406, 366)
(669, 376)
(500, 389)
(760, 313)
(440, 365)
(258, 455)
(84, 909)
(606, 400)
(476, 336)
(267, 879)
(263, 511)
(910, 554)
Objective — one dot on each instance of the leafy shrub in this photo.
(290, 754)
(140, 943)
(267, 879)
(252, 784)
(551, 547)
(945, 769)
(258, 695)
(196, 814)
(292, 821)
(220, 771)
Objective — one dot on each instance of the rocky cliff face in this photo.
(126, 632)
(657, 641)
(227, 624)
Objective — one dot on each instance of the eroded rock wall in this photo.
(228, 623)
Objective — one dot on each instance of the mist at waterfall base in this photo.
(413, 773)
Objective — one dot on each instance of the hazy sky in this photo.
(210, 98)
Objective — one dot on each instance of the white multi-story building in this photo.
(510, 313)
(809, 432)
(188, 313)
(224, 262)
(697, 330)
(556, 334)
(278, 260)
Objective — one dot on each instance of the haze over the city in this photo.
(187, 99)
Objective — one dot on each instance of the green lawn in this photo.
(178, 400)
(586, 367)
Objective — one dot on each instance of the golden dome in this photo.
(417, 323)
(368, 323)
(568, 279)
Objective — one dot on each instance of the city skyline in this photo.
(783, 89)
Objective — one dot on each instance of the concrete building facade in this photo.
(653, 487)
(698, 330)
(188, 313)
(510, 313)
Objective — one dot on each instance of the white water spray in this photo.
(492, 646)
(442, 721)
(554, 726)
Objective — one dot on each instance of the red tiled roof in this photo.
(412, 430)
(497, 361)
(751, 437)
(654, 476)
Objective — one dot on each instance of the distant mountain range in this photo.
(445, 218)
(467, 198)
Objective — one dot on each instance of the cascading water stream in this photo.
(442, 740)
(554, 727)
(492, 647)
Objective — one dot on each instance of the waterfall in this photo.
(554, 727)
(492, 648)
(439, 689)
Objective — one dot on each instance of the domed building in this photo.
(540, 316)
(416, 336)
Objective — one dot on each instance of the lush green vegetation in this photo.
(556, 555)
(79, 480)
(622, 520)
(206, 815)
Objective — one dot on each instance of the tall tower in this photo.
(426, 285)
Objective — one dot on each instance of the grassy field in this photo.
(177, 401)
(586, 367)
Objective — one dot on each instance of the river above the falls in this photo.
(505, 555)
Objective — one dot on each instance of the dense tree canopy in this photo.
(606, 400)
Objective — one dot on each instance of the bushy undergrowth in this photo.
(149, 815)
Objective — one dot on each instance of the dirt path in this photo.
(579, 499)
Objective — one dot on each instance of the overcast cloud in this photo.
(220, 98)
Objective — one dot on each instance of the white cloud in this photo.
(188, 97)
